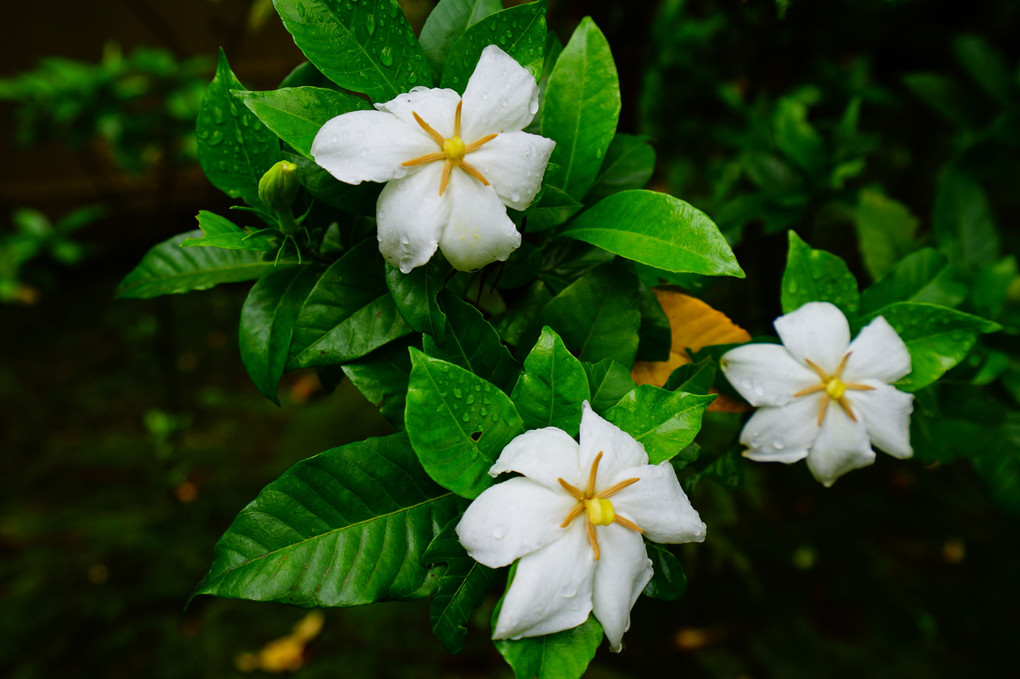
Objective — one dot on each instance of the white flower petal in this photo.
(621, 574)
(619, 449)
(368, 146)
(842, 445)
(542, 455)
(877, 352)
(410, 217)
(514, 163)
(817, 331)
(552, 589)
(501, 96)
(658, 504)
(478, 231)
(885, 412)
(435, 106)
(512, 519)
(766, 374)
(785, 433)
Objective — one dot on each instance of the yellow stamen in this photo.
(597, 509)
(834, 387)
(600, 512)
(627, 523)
(453, 150)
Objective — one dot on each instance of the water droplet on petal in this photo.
(499, 532)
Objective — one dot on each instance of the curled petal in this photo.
(785, 433)
(766, 374)
(817, 331)
(658, 504)
(877, 352)
(619, 449)
(514, 162)
(551, 590)
(512, 519)
(478, 231)
(501, 96)
(368, 146)
(842, 445)
(885, 412)
(621, 574)
(544, 456)
(410, 217)
(435, 106)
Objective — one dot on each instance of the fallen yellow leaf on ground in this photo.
(285, 654)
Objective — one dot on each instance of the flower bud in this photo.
(279, 186)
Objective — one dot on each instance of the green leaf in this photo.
(985, 65)
(382, 377)
(664, 422)
(462, 588)
(922, 276)
(668, 581)
(169, 269)
(817, 276)
(796, 138)
(365, 47)
(220, 232)
(886, 231)
(655, 336)
(267, 324)
(609, 382)
(946, 97)
(936, 337)
(554, 207)
(448, 21)
(415, 295)
(357, 199)
(472, 343)
(693, 378)
(348, 314)
(992, 286)
(581, 108)
(629, 164)
(597, 315)
(458, 423)
(552, 388)
(659, 230)
(563, 655)
(346, 527)
(519, 31)
(295, 114)
(520, 321)
(234, 148)
(964, 226)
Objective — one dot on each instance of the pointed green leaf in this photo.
(365, 47)
(659, 230)
(664, 422)
(220, 232)
(552, 388)
(964, 226)
(234, 148)
(922, 276)
(382, 377)
(669, 582)
(796, 138)
(563, 655)
(609, 382)
(415, 295)
(346, 527)
(654, 333)
(519, 31)
(629, 164)
(693, 378)
(554, 207)
(458, 423)
(520, 321)
(885, 231)
(817, 276)
(448, 21)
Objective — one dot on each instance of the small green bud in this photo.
(279, 186)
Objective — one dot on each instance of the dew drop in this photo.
(215, 138)
(466, 417)
(457, 393)
(386, 55)
(370, 24)
(470, 399)
(499, 532)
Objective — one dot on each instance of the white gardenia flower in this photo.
(575, 519)
(452, 165)
(821, 396)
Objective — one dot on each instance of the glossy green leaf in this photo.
(669, 582)
(563, 655)
(655, 335)
(964, 225)
(472, 343)
(267, 324)
(985, 65)
(447, 22)
(234, 148)
(629, 164)
(519, 31)
(220, 232)
(597, 315)
(581, 108)
(936, 337)
(659, 230)
(365, 47)
(415, 295)
(552, 388)
(348, 313)
(992, 287)
(554, 207)
(946, 97)
(922, 276)
(693, 378)
(462, 588)
(458, 423)
(817, 276)
(295, 114)
(609, 382)
(664, 422)
(886, 231)
(520, 321)
(346, 527)
(382, 377)
(168, 268)
(796, 138)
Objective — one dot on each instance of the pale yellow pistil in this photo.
(598, 510)
(453, 150)
(834, 387)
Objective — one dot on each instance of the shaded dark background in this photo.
(131, 434)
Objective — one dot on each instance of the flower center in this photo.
(453, 150)
(596, 507)
(834, 387)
